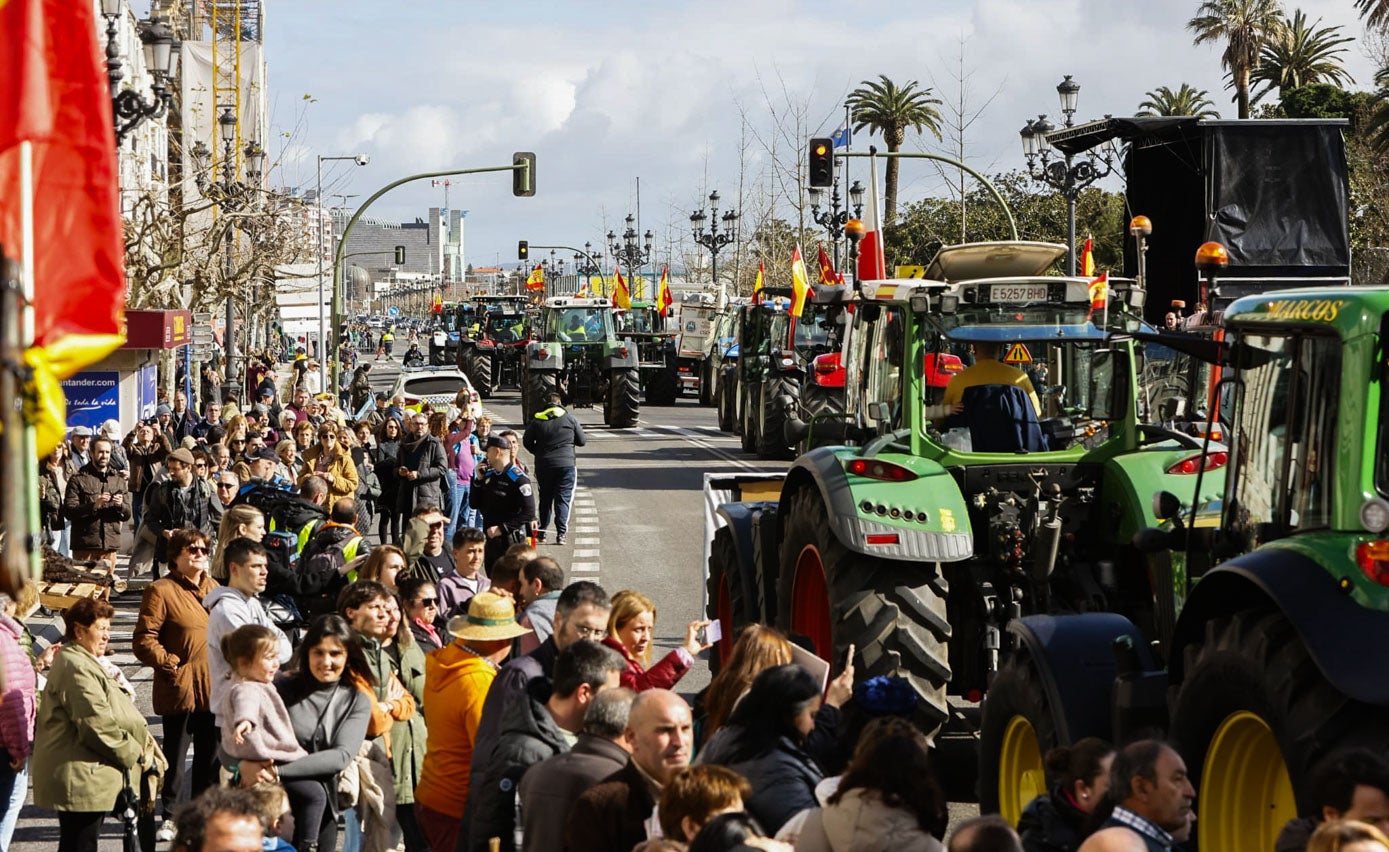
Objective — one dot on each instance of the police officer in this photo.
(503, 493)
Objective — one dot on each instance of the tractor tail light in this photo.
(622, 350)
(881, 538)
(1373, 558)
(1193, 464)
(543, 354)
(877, 469)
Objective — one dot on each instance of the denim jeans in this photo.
(556, 493)
(450, 506)
(14, 786)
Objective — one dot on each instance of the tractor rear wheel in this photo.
(729, 603)
(623, 398)
(478, 366)
(706, 382)
(891, 612)
(726, 402)
(1252, 716)
(536, 396)
(1016, 730)
(771, 433)
(748, 432)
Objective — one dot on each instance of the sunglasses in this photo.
(227, 485)
(195, 550)
(429, 601)
(238, 440)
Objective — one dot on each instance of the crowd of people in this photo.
(355, 642)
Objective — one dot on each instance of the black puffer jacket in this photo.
(1052, 824)
(783, 776)
(529, 735)
(551, 437)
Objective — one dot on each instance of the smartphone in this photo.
(710, 633)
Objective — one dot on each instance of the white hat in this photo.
(111, 428)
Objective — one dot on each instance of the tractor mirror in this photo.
(1106, 401)
(870, 312)
(1166, 505)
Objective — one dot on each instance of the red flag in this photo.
(872, 265)
(828, 275)
(54, 93)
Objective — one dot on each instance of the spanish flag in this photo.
(757, 286)
(56, 123)
(800, 283)
(663, 297)
(622, 297)
(536, 281)
(1099, 292)
(1086, 266)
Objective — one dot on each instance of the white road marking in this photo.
(586, 554)
(584, 567)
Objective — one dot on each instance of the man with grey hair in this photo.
(990, 833)
(552, 786)
(1153, 797)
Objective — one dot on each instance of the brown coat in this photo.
(610, 817)
(344, 472)
(171, 638)
(96, 526)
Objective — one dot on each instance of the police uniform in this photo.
(506, 499)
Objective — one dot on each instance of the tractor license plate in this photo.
(1018, 293)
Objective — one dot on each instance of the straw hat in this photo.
(490, 617)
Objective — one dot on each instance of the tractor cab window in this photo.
(578, 325)
(813, 329)
(505, 328)
(636, 321)
(1283, 450)
(448, 322)
(882, 357)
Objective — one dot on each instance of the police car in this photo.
(435, 386)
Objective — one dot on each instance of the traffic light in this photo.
(821, 162)
(523, 177)
(399, 255)
(523, 250)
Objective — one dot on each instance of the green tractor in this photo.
(1012, 510)
(492, 355)
(577, 353)
(643, 324)
(1265, 662)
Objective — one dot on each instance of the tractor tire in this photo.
(771, 432)
(623, 398)
(1016, 730)
(728, 596)
(478, 366)
(726, 402)
(1251, 693)
(892, 612)
(536, 396)
(706, 382)
(748, 423)
(437, 357)
(662, 387)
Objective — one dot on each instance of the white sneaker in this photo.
(166, 832)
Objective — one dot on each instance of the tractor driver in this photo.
(573, 330)
(988, 369)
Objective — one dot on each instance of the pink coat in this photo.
(17, 702)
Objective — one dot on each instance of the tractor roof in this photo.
(576, 302)
(1004, 259)
(1349, 310)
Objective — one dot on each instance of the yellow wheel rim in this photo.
(1246, 793)
(1021, 773)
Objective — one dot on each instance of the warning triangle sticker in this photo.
(1018, 354)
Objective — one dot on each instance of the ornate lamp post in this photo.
(129, 106)
(629, 252)
(834, 219)
(1064, 174)
(231, 196)
(584, 266)
(713, 239)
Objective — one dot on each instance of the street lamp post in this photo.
(713, 239)
(128, 106)
(361, 160)
(630, 252)
(1064, 175)
(231, 196)
(585, 265)
(834, 219)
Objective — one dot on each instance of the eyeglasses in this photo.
(590, 632)
(429, 602)
(202, 465)
(195, 550)
(227, 485)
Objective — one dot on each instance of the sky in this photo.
(686, 97)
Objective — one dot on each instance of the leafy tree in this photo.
(1301, 54)
(890, 110)
(1244, 26)
(1184, 101)
(1323, 100)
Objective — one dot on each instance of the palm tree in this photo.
(1300, 55)
(1184, 101)
(890, 110)
(1244, 26)
(1375, 12)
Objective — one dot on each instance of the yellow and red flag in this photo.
(622, 297)
(828, 276)
(1087, 259)
(536, 280)
(757, 285)
(800, 283)
(1099, 292)
(663, 297)
(54, 95)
